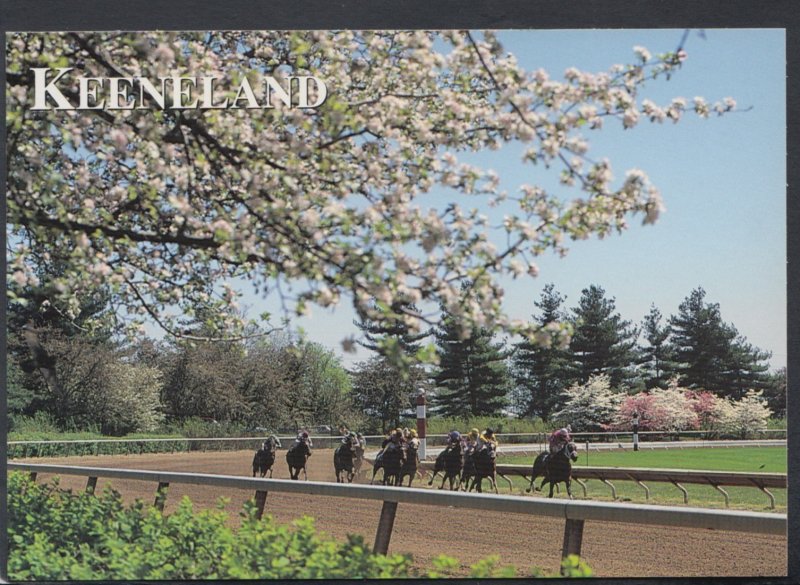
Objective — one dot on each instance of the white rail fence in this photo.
(574, 513)
(677, 477)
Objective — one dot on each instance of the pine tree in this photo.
(472, 379)
(602, 343)
(394, 331)
(396, 344)
(710, 353)
(655, 356)
(541, 373)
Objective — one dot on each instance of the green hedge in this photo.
(57, 535)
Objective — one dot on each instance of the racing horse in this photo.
(344, 459)
(297, 457)
(391, 461)
(264, 458)
(451, 462)
(485, 467)
(554, 468)
(409, 467)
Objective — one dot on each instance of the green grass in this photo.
(721, 459)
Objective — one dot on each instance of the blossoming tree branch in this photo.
(170, 207)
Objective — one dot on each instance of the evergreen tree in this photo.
(396, 344)
(472, 379)
(383, 337)
(603, 343)
(745, 368)
(710, 354)
(541, 373)
(655, 356)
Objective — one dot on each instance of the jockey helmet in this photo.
(474, 433)
(413, 433)
(454, 436)
(489, 432)
(569, 428)
(564, 433)
(304, 434)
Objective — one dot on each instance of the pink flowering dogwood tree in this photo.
(678, 409)
(172, 208)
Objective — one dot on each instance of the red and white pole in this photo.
(421, 402)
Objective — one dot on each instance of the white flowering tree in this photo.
(173, 208)
(743, 417)
(590, 406)
(132, 401)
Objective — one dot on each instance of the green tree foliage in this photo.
(603, 343)
(775, 393)
(541, 371)
(383, 391)
(202, 379)
(710, 354)
(89, 385)
(654, 358)
(472, 377)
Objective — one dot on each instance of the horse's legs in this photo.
(552, 485)
(569, 491)
(544, 481)
(493, 479)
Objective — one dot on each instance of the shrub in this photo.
(57, 535)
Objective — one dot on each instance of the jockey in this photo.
(413, 440)
(302, 437)
(472, 441)
(560, 439)
(453, 438)
(486, 439)
(361, 440)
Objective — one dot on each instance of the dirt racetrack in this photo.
(612, 549)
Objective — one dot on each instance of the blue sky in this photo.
(722, 180)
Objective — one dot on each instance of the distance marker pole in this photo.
(421, 403)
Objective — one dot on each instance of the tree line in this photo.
(85, 377)
(480, 375)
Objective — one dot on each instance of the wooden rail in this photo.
(574, 513)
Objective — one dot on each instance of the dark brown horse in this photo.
(485, 463)
(264, 458)
(554, 468)
(394, 456)
(297, 457)
(344, 459)
(450, 462)
(409, 468)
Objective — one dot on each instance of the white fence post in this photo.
(421, 424)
